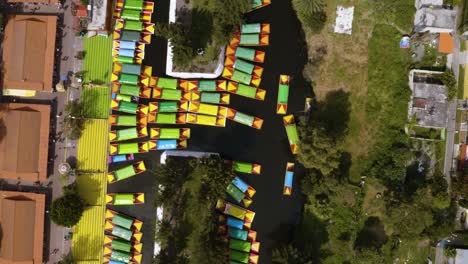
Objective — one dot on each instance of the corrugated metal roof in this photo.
(92, 146)
(88, 235)
(92, 188)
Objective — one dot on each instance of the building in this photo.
(461, 257)
(28, 52)
(435, 20)
(428, 105)
(446, 43)
(35, 1)
(24, 147)
(22, 225)
(101, 17)
(428, 3)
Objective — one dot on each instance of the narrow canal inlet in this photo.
(275, 213)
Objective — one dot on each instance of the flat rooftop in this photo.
(435, 18)
(427, 3)
(24, 148)
(34, 1)
(22, 226)
(429, 104)
(28, 52)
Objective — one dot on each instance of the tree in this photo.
(169, 180)
(227, 16)
(313, 6)
(460, 186)
(75, 120)
(180, 42)
(441, 200)
(450, 252)
(448, 78)
(80, 55)
(68, 209)
(289, 254)
(410, 219)
(311, 14)
(67, 259)
(318, 150)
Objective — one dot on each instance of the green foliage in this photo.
(449, 80)
(388, 96)
(410, 219)
(170, 178)
(95, 100)
(369, 257)
(311, 14)
(460, 186)
(464, 20)
(74, 120)
(290, 255)
(441, 201)
(68, 209)
(213, 23)
(318, 150)
(450, 252)
(441, 198)
(67, 259)
(189, 191)
(180, 42)
(80, 55)
(398, 12)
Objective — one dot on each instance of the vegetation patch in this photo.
(96, 101)
(188, 191)
(204, 26)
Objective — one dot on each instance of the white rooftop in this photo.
(98, 15)
(435, 20)
(344, 19)
(427, 3)
(462, 256)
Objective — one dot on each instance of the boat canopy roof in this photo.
(167, 83)
(245, 53)
(249, 39)
(244, 66)
(207, 85)
(122, 221)
(251, 28)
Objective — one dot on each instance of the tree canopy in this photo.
(75, 119)
(318, 150)
(67, 209)
(189, 191)
(311, 14)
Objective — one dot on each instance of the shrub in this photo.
(68, 209)
(311, 14)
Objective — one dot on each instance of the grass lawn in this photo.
(461, 82)
(98, 59)
(96, 101)
(427, 133)
(344, 67)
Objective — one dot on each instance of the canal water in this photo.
(276, 214)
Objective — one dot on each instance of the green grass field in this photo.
(98, 60)
(96, 101)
